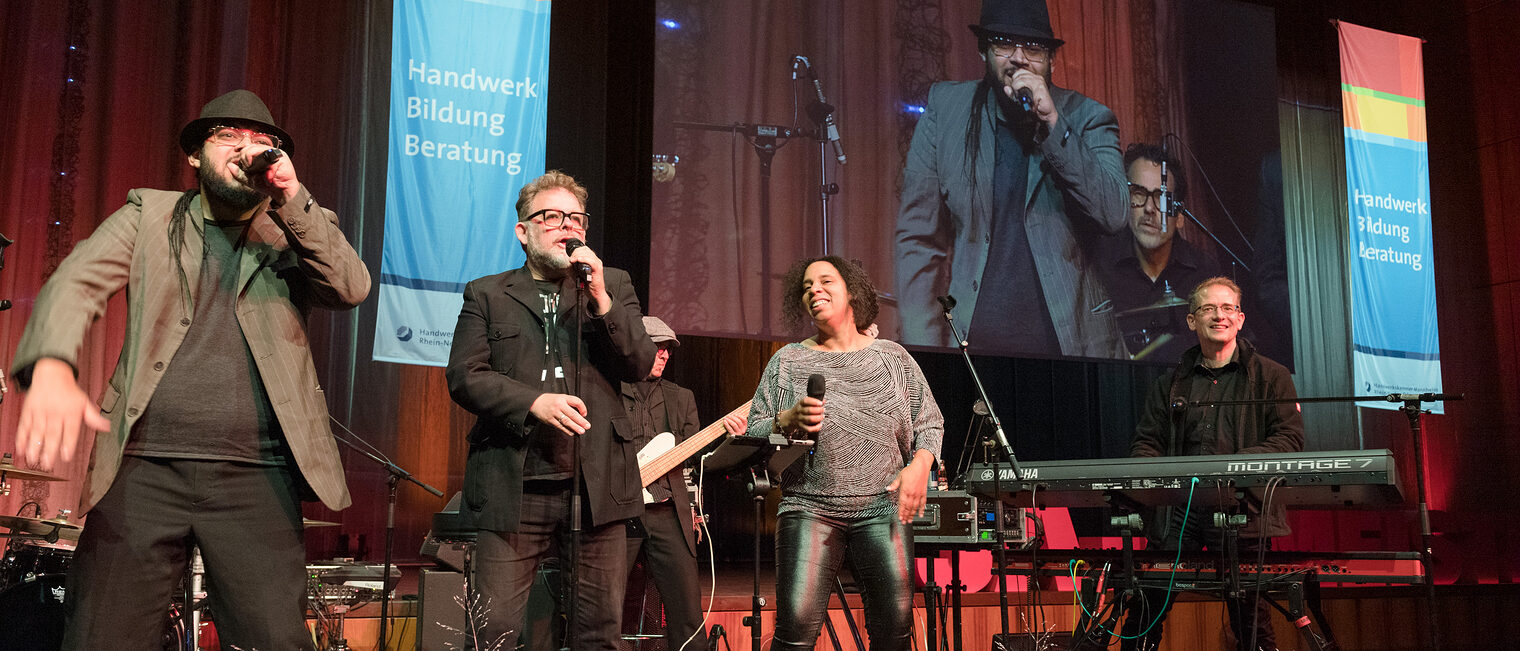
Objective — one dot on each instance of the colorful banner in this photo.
(1395, 343)
(467, 129)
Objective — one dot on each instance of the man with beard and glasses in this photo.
(213, 428)
(1147, 268)
(523, 339)
(1008, 181)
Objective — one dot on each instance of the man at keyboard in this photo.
(1221, 367)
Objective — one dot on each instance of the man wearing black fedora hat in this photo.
(1003, 176)
(213, 428)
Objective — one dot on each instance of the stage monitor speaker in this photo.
(437, 608)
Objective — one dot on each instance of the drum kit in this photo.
(36, 560)
(37, 554)
(1149, 327)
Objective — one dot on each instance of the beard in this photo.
(224, 190)
(546, 260)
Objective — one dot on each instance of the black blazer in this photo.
(495, 364)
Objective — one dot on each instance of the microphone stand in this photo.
(1412, 409)
(820, 112)
(1002, 440)
(766, 139)
(1182, 208)
(572, 565)
(395, 475)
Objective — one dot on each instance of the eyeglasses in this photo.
(232, 136)
(552, 218)
(1032, 51)
(1208, 310)
(1139, 194)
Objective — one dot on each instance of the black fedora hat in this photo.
(239, 105)
(1017, 20)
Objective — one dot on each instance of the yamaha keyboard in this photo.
(1351, 478)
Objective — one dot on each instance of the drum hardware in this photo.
(51, 531)
(9, 470)
(1169, 300)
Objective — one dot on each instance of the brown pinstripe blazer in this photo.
(294, 258)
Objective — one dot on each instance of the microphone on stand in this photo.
(1164, 204)
(580, 267)
(823, 111)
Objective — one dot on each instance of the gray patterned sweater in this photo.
(879, 413)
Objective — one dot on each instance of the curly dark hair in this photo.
(856, 282)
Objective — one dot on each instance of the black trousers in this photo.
(134, 550)
(507, 563)
(673, 568)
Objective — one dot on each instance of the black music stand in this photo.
(761, 458)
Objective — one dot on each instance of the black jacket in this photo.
(496, 363)
(1244, 429)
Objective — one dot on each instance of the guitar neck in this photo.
(659, 466)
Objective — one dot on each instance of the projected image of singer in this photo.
(213, 428)
(1223, 366)
(877, 431)
(1147, 268)
(1007, 181)
(513, 364)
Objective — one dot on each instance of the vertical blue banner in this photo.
(467, 130)
(1396, 346)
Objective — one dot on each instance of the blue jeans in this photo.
(809, 550)
(506, 563)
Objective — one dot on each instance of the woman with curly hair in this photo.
(877, 433)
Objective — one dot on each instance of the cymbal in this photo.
(12, 471)
(309, 523)
(19, 524)
(1168, 301)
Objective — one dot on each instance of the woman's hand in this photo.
(805, 416)
(912, 486)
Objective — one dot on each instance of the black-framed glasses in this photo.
(1226, 310)
(231, 136)
(1033, 51)
(553, 218)
(1139, 194)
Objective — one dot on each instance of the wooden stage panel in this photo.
(1363, 619)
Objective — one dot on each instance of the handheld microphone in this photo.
(580, 267)
(815, 386)
(262, 160)
(831, 128)
(1026, 99)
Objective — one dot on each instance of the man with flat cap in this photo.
(213, 428)
(665, 533)
(1008, 180)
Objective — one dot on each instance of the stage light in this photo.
(670, 24)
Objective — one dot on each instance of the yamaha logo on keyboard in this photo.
(1006, 474)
